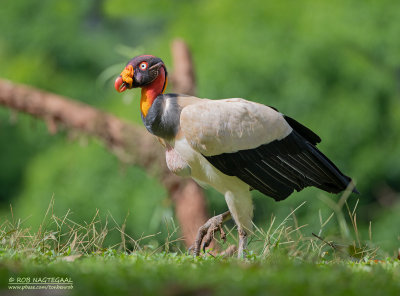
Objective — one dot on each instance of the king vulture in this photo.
(233, 145)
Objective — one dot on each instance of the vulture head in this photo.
(142, 71)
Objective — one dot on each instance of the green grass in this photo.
(172, 274)
(282, 260)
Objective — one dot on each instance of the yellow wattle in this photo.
(127, 75)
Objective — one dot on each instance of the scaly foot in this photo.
(206, 232)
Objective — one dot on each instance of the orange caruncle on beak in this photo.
(124, 79)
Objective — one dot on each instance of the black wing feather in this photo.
(304, 131)
(280, 167)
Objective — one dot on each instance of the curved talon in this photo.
(206, 233)
(210, 235)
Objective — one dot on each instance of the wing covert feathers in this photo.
(282, 166)
(230, 125)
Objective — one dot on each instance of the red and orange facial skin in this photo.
(125, 80)
(147, 72)
(151, 91)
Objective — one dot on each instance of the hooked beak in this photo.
(120, 85)
(125, 80)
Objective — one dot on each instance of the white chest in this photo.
(182, 158)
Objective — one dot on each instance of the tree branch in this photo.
(132, 144)
(189, 200)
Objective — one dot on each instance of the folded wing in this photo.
(267, 150)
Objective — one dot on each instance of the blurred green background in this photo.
(332, 65)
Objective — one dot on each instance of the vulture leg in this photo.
(206, 232)
(241, 207)
(242, 242)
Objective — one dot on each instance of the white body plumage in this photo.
(213, 127)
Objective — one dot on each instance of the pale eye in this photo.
(143, 65)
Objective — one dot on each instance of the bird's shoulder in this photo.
(229, 125)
